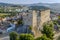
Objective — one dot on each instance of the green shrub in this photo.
(44, 37)
(26, 37)
(48, 30)
(13, 36)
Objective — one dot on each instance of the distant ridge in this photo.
(38, 7)
(53, 6)
(7, 4)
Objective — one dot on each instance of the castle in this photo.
(36, 18)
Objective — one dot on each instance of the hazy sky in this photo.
(29, 1)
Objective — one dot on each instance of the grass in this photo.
(4, 14)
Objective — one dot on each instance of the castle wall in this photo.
(45, 16)
(34, 20)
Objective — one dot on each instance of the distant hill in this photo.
(6, 4)
(38, 7)
(55, 7)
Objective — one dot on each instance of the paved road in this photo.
(5, 38)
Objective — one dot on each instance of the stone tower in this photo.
(39, 18)
(36, 18)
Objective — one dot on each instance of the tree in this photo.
(13, 36)
(26, 37)
(59, 17)
(58, 27)
(48, 30)
(30, 27)
(44, 37)
(55, 22)
(19, 22)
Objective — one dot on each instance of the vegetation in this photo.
(20, 22)
(55, 22)
(4, 15)
(48, 30)
(44, 37)
(7, 14)
(59, 17)
(26, 37)
(13, 36)
(30, 27)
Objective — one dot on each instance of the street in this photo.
(5, 38)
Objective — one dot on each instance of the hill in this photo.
(7, 4)
(55, 7)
